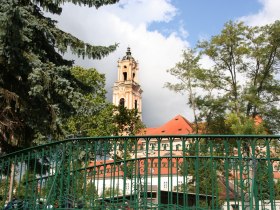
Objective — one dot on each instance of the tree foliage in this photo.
(37, 89)
(242, 84)
(127, 121)
(85, 120)
(242, 124)
(96, 117)
(26, 188)
(187, 72)
(111, 120)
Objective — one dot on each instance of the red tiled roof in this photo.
(276, 175)
(178, 125)
(167, 167)
(258, 120)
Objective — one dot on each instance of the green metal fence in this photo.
(144, 172)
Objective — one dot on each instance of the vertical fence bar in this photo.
(184, 171)
(213, 193)
(270, 173)
(159, 172)
(226, 144)
(170, 165)
(197, 183)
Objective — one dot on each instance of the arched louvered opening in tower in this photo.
(122, 102)
(124, 76)
(135, 104)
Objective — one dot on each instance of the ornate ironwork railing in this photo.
(144, 172)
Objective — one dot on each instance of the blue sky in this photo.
(157, 32)
(204, 18)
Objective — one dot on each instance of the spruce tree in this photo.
(37, 89)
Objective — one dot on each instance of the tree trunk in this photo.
(11, 182)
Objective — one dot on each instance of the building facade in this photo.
(127, 91)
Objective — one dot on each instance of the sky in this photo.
(157, 31)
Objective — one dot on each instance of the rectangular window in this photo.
(165, 184)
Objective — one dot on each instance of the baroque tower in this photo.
(127, 91)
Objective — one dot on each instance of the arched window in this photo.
(121, 102)
(125, 76)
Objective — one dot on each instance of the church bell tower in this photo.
(127, 91)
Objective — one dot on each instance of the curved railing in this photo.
(144, 172)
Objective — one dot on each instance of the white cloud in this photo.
(182, 31)
(206, 62)
(143, 11)
(268, 14)
(126, 23)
